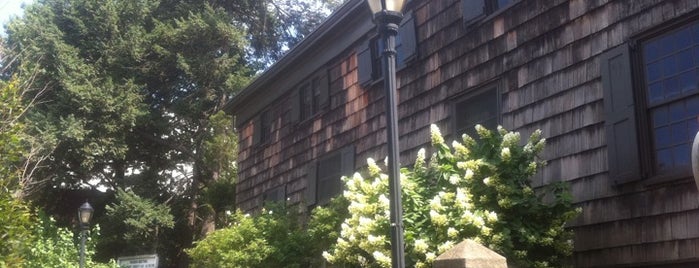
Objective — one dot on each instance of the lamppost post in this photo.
(84, 216)
(82, 248)
(387, 16)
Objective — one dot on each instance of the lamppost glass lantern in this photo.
(85, 214)
(377, 6)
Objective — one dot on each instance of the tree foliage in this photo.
(15, 216)
(134, 92)
(136, 222)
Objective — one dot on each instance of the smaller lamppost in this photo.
(387, 16)
(84, 216)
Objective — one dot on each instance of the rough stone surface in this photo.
(469, 254)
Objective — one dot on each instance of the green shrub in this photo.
(274, 238)
(59, 247)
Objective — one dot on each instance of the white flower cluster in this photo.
(451, 213)
(369, 214)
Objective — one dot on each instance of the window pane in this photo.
(669, 66)
(662, 137)
(655, 92)
(665, 45)
(692, 128)
(664, 159)
(654, 72)
(687, 82)
(693, 106)
(683, 38)
(671, 88)
(651, 52)
(684, 60)
(502, 3)
(659, 116)
(479, 109)
(677, 111)
(681, 155)
(679, 132)
(327, 189)
(330, 167)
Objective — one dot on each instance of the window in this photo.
(481, 107)
(324, 176)
(275, 195)
(262, 131)
(369, 54)
(477, 9)
(671, 68)
(311, 96)
(650, 128)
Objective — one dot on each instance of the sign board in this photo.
(141, 261)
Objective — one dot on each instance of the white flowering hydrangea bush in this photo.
(475, 188)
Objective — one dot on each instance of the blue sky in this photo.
(9, 9)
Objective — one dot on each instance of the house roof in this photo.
(338, 32)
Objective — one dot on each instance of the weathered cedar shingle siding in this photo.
(544, 57)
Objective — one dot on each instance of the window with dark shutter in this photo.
(473, 10)
(481, 106)
(324, 181)
(477, 9)
(650, 125)
(620, 115)
(311, 96)
(275, 195)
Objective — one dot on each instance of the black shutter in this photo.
(473, 9)
(311, 183)
(295, 106)
(364, 63)
(347, 164)
(620, 115)
(408, 48)
(257, 130)
(323, 87)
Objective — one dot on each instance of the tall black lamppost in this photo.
(84, 217)
(387, 16)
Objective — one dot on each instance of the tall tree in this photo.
(135, 89)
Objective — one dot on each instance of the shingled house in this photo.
(613, 85)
